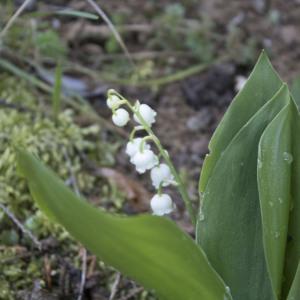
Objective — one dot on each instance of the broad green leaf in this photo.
(295, 90)
(229, 227)
(294, 293)
(293, 242)
(152, 250)
(262, 84)
(274, 177)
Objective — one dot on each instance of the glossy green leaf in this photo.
(149, 249)
(293, 242)
(262, 84)
(295, 90)
(294, 293)
(274, 177)
(229, 227)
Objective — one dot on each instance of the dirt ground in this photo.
(189, 110)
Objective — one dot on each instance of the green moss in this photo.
(61, 144)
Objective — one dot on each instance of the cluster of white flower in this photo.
(139, 151)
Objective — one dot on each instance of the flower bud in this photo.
(134, 146)
(112, 101)
(147, 113)
(120, 117)
(161, 174)
(144, 160)
(161, 204)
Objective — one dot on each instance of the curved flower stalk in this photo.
(144, 158)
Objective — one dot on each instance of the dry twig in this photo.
(10, 214)
(84, 252)
(132, 293)
(83, 273)
(114, 287)
(14, 18)
(112, 28)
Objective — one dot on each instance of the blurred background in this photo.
(186, 59)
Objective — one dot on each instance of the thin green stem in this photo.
(144, 140)
(134, 130)
(117, 105)
(181, 187)
(159, 191)
(155, 82)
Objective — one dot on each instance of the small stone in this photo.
(199, 121)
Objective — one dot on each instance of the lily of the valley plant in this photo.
(142, 156)
(247, 243)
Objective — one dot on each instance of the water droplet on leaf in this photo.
(201, 214)
(259, 163)
(227, 294)
(288, 157)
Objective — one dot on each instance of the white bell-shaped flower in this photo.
(120, 117)
(112, 101)
(161, 174)
(161, 204)
(147, 113)
(133, 146)
(144, 160)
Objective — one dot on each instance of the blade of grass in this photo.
(56, 95)
(150, 82)
(76, 13)
(113, 29)
(13, 18)
(82, 106)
